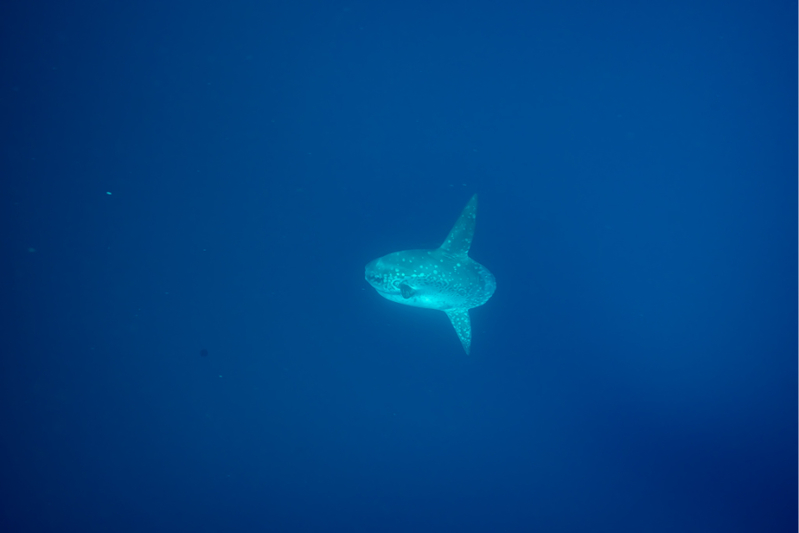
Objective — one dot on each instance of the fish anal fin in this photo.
(463, 326)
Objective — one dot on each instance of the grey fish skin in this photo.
(445, 278)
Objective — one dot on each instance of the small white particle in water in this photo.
(108, 193)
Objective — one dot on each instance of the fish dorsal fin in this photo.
(463, 326)
(460, 237)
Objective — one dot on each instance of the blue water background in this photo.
(187, 176)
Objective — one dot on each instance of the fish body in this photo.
(445, 278)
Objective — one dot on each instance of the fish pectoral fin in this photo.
(463, 326)
(406, 290)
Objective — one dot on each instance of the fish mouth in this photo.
(375, 280)
(382, 286)
(384, 292)
(378, 282)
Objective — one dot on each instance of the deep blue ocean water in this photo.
(190, 192)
